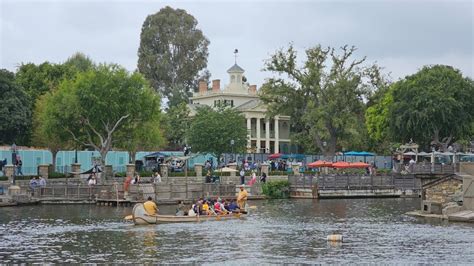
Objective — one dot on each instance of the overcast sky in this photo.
(401, 36)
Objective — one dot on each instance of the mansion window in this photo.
(224, 102)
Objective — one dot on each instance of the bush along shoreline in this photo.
(278, 189)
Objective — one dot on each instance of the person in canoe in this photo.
(242, 198)
(150, 207)
(182, 210)
(233, 208)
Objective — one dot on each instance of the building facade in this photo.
(265, 135)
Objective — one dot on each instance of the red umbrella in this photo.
(341, 165)
(275, 156)
(320, 164)
(359, 165)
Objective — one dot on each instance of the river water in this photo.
(277, 231)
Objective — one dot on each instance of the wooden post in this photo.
(186, 175)
(43, 170)
(198, 169)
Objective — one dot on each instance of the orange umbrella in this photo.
(359, 165)
(341, 165)
(319, 164)
(275, 156)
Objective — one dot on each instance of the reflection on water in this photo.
(278, 231)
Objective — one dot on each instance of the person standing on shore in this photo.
(42, 184)
(157, 178)
(242, 176)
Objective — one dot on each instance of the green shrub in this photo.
(24, 177)
(190, 173)
(279, 189)
(56, 175)
(278, 173)
(3, 178)
(120, 174)
(145, 173)
(384, 171)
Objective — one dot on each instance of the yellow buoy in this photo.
(335, 237)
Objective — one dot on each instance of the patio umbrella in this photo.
(359, 165)
(319, 164)
(275, 156)
(341, 165)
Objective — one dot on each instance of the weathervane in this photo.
(235, 55)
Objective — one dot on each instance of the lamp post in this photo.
(75, 159)
(14, 150)
(324, 147)
(232, 147)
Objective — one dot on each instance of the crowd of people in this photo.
(216, 206)
(37, 182)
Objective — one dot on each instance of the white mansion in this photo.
(264, 135)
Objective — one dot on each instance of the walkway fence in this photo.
(426, 168)
(355, 182)
(78, 190)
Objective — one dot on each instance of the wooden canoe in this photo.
(140, 217)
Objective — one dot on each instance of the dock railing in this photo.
(356, 182)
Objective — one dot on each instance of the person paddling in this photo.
(150, 207)
(242, 198)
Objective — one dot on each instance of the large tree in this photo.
(324, 97)
(141, 135)
(42, 80)
(177, 122)
(433, 106)
(212, 130)
(15, 112)
(38, 79)
(45, 127)
(172, 52)
(79, 62)
(99, 106)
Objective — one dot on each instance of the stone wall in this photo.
(466, 168)
(467, 172)
(444, 192)
(468, 193)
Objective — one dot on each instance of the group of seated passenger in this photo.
(216, 206)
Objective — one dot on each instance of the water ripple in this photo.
(279, 231)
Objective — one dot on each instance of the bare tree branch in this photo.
(95, 131)
(81, 142)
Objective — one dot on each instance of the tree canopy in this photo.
(79, 62)
(432, 106)
(100, 106)
(15, 112)
(176, 124)
(38, 79)
(45, 127)
(211, 131)
(326, 103)
(172, 52)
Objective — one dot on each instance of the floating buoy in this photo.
(335, 238)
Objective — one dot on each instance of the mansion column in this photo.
(277, 135)
(267, 135)
(249, 132)
(258, 135)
